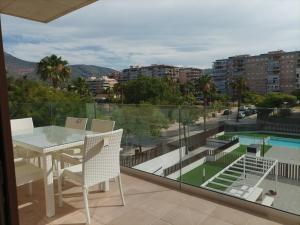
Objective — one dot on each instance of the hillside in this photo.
(17, 67)
(88, 70)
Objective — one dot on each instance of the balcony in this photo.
(173, 147)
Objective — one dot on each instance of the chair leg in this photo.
(86, 205)
(30, 188)
(39, 162)
(62, 166)
(59, 184)
(121, 190)
(100, 186)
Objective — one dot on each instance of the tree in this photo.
(44, 104)
(296, 93)
(79, 86)
(187, 91)
(239, 87)
(139, 122)
(253, 98)
(276, 100)
(118, 91)
(54, 69)
(206, 88)
(151, 90)
(188, 116)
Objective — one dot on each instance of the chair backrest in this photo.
(76, 123)
(19, 125)
(101, 157)
(102, 126)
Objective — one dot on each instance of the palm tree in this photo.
(54, 69)
(79, 86)
(118, 90)
(239, 87)
(206, 88)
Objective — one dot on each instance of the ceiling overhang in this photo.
(41, 10)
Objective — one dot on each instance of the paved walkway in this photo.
(288, 155)
(287, 198)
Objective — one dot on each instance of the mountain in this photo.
(17, 67)
(88, 70)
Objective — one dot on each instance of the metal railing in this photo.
(180, 165)
(195, 142)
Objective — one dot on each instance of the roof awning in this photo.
(41, 10)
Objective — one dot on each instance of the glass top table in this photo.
(50, 138)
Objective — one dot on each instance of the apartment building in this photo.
(189, 75)
(276, 71)
(220, 74)
(154, 70)
(98, 85)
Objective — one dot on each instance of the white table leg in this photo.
(48, 184)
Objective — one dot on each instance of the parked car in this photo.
(248, 112)
(227, 112)
(243, 108)
(241, 115)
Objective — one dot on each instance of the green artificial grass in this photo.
(195, 177)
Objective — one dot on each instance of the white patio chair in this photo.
(23, 156)
(73, 123)
(20, 126)
(102, 126)
(98, 126)
(101, 162)
(76, 123)
(27, 173)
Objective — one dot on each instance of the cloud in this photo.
(118, 33)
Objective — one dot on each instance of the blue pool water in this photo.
(274, 141)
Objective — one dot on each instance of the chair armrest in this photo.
(66, 158)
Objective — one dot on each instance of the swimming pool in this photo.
(272, 140)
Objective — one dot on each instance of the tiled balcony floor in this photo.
(146, 204)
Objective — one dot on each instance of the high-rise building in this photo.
(189, 75)
(276, 71)
(151, 71)
(98, 85)
(220, 74)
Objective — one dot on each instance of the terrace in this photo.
(175, 138)
(166, 166)
(147, 203)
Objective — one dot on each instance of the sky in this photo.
(120, 33)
